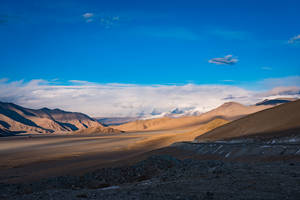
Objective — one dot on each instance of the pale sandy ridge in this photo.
(279, 121)
(227, 111)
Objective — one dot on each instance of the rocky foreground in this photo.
(166, 177)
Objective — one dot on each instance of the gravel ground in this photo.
(165, 177)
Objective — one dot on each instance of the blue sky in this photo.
(148, 42)
(253, 45)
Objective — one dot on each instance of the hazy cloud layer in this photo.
(227, 60)
(127, 99)
(280, 82)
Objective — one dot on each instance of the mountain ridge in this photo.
(229, 111)
(276, 122)
(18, 119)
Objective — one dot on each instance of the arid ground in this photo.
(32, 157)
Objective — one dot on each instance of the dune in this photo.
(276, 122)
(227, 111)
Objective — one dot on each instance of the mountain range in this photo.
(228, 111)
(17, 119)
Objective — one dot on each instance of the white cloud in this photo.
(125, 99)
(295, 39)
(227, 60)
(107, 21)
(87, 15)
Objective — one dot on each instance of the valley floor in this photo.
(165, 177)
(33, 157)
(143, 166)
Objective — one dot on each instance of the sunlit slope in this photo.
(228, 111)
(169, 137)
(279, 121)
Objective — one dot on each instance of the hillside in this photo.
(276, 122)
(228, 111)
(17, 119)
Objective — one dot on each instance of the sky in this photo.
(123, 57)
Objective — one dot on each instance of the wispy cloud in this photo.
(226, 60)
(230, 34)
(280, 82)
(105, 20)
(266, 68)
(168, 32)
(295, 39)
(109, 21)
(128, 99)
(88, 17)
(228, 80)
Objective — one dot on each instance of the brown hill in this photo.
(17, 119)
(279, 121)
(228, 111)
(98, 129)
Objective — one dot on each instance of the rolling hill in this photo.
(277, 122)
(228, 111)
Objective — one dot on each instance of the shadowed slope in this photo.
(282, 120)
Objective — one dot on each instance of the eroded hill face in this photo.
(227, 111)
(282, 121)
(17, 119)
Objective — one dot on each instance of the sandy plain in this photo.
(32, 157)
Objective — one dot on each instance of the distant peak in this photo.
(274, 101)
(231, 103)
(57, 109)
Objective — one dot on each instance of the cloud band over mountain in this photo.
(131, 100)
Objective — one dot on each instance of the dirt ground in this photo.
(33, 157)
(165, 177)
(130, 166)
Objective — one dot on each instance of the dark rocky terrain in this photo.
(172, 177)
